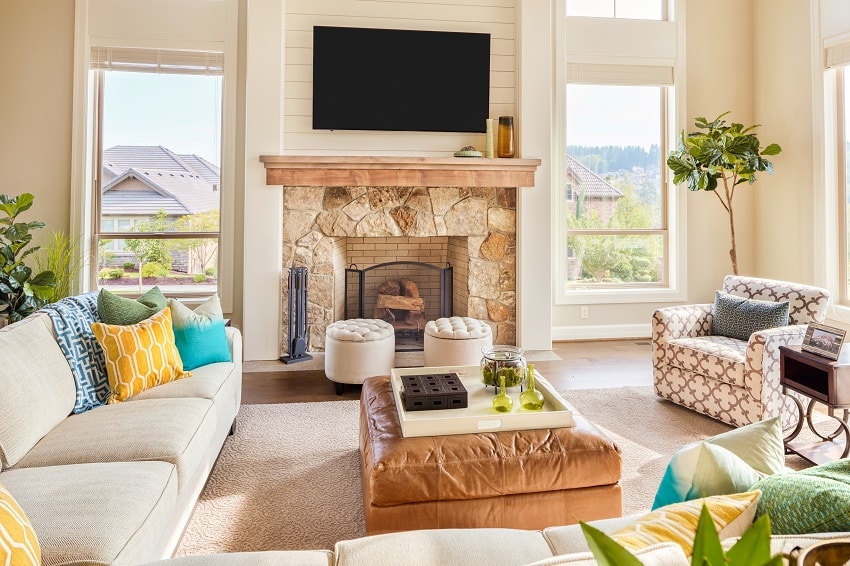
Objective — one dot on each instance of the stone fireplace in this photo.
(375, 210)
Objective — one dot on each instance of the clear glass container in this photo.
(503, 360)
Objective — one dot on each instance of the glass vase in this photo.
(531, 399)
(503, 402)
(505, 145)
(503, 360)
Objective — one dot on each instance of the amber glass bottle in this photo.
(505, 145)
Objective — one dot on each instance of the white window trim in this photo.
(82, 170)
(676, 288)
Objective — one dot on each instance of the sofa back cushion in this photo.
(36, 387)
(806, 302)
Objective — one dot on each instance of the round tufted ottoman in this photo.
(456, 341)
(358, 348)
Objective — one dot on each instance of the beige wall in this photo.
(36, 63)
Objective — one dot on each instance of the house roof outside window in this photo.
(595, 187)
(141, 180)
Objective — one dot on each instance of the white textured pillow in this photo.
(37, 389)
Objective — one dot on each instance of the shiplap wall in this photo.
(495, 17)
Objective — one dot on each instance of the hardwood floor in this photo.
(583, 365)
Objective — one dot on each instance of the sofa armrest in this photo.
(682, 321)
(234, 341)
(761, 371)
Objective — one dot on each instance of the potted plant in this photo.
(21, 291)
(718, 160)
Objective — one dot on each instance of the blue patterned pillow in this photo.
(72, 319)
(738, 317)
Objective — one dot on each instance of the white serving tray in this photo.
(479, 416)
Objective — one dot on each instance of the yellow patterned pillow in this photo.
(732, 515)
(139, 356)
(18, 543)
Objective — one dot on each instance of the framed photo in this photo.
(823, 340)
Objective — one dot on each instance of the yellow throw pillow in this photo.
(18, 543)
(139, 356)
(732, 515)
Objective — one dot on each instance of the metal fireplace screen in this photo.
(407, 294)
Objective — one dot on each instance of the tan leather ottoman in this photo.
(528, 479)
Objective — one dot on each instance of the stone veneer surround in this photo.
(318, 219)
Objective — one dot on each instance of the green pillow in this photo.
(114, 309)
(814, 500)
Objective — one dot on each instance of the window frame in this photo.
(594, 49)
(95, 215)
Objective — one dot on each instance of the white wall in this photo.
(495, 17)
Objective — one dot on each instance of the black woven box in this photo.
(431, 391)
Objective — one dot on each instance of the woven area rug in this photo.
(290, 476)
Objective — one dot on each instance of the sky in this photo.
(613, 115)
(180, 112)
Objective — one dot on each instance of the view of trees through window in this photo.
(615, 207)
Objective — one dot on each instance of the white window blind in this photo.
(157, 60)
(605, 74)
(837, 55)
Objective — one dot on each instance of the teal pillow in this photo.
(727, 463)
(738, 317)
(814, 500)
(199, 334)
(115, 309)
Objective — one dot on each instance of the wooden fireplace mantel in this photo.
(368, 171)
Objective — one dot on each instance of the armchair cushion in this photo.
(738, 317)
(719, 357)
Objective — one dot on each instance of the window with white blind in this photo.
(157, 200)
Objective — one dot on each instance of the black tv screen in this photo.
(400, 80)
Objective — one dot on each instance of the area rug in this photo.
(290, 476)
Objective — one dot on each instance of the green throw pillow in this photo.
(114, 309)
(814, 500)
(738, 317)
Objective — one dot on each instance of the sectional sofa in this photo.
(115, 484)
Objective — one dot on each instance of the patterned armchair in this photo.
(731, 380)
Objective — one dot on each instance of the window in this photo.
(616, 224)
(627, 9)
(570, 192)
(157, 206)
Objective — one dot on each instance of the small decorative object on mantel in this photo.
(823, 340)
(468, 151)
(490, 144)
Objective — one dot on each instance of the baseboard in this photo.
(601, 331)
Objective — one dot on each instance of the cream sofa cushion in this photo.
(268, 558)
(569, 539)
(662, 554)
(445, 546)
(178, 431)
(36, 386)
(77, 523)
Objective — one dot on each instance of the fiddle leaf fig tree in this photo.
(21, 291)
(718, 159)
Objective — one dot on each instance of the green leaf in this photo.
(754, 545)
(772, 149)
(605, 550)
(707, 546)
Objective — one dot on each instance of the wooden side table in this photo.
(823, 381)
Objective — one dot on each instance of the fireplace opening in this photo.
(407, 294)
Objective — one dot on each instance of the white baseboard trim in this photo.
(601, 332)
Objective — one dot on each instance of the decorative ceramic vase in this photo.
(503, 360)
(490, 144)
(503, 402)
(505, 146)
(531, 399)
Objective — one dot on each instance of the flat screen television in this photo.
(400, 80)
